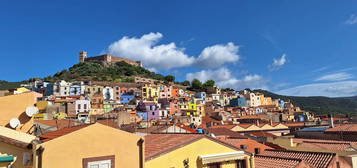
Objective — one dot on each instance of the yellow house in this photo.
(150, 91)
(93, 89)
(15, 148)
(88, 146)
(201, 110)
(14, 106)
(192, 150)
(21, 90)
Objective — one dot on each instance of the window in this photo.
(79, 106)
(153, 113)
(214, 165)
(85, 106)
(243, 146)
(99, 162)
(256, 150)
(240, 164)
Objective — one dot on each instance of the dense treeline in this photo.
(320, 105)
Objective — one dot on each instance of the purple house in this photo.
(148, 110)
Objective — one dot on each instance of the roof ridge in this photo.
(275, 150)
(277, 157)
(345, 143)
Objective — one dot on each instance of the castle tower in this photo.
(82, 56)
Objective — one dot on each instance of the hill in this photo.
(120, 72)
(5, 85)
(320, 105)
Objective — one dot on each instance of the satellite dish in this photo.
(31, 110)
(14, 123)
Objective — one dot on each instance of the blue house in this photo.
(126, 98)
(49, 89)
(282, 103)
(240, 101)
(201, 95)
(143, 115)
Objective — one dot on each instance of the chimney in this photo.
(82, 56)
(331, 121)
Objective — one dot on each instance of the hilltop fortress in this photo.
(106, 59)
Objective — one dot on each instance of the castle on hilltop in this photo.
(106, 59)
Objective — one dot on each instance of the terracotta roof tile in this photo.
(326, 144)
(343, 128)
(261, 134)
(158, 144)
(221, 131)
(57, 123)
(315, 159)
(276, 162)
(55, 134)
(223, 126)
(249, 143)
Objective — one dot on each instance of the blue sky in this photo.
(290, 47)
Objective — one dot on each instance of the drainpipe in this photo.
(141, 152)
(252, 162)
(39, 152)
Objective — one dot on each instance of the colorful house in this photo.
(126, 98)
(150, 92)
(148, 110)
(192, 150)
(15, 148)
(88, 146)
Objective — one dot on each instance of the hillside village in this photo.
(152, 123)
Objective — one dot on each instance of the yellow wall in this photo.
(174, 159)
(14, 151)
(93, 141)
(14, 106)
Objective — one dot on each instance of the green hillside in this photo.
(320, 105)
(5, 85)
(120, 72)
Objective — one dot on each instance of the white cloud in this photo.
(351, 20)
(167, 56)
(278, 63)
(164, 56)
(225, 79)
(333, 89)
(335, 77)
(217, 55)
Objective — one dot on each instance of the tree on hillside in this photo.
(209, 83)
(186, 83)
(196, 84)
(169, 78)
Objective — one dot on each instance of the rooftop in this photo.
(315, 159)
(274, 162)
(343, 128)
(15, 137)
(158, 144)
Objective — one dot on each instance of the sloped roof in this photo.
(158, 144)
(278, 162)
(326, 144)
(221, 131)
(262, 134)
(14, 137)
(315, 159)
(55, 134)
(343, 128)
